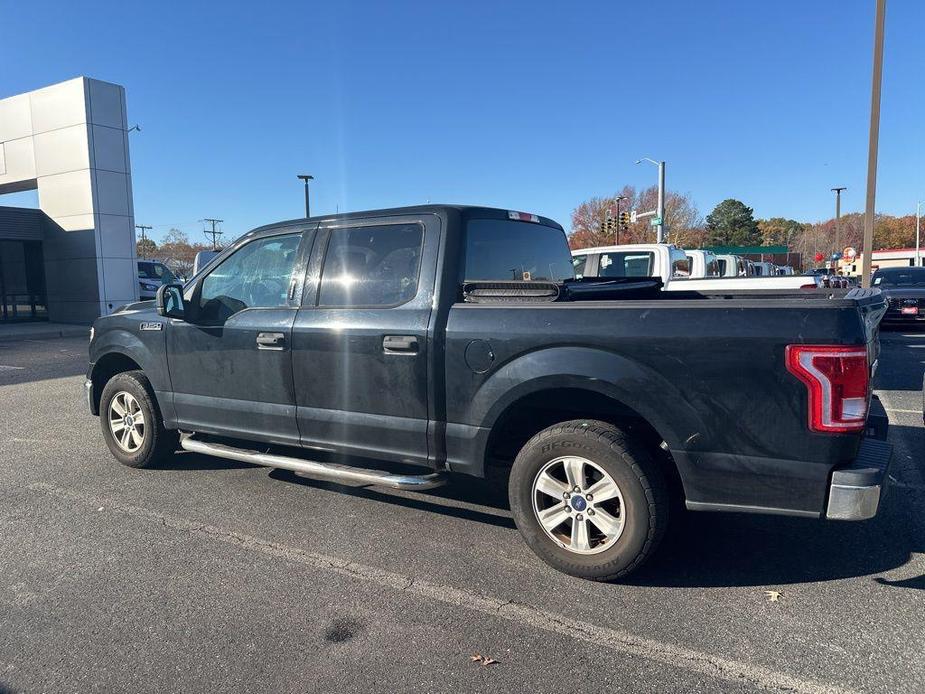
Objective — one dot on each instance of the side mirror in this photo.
(169, 301)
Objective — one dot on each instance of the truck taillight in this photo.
(837, 381)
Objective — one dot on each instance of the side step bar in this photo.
(331, 472)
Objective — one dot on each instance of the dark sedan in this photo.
(904, 288)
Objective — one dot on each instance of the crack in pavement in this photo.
(615, 640)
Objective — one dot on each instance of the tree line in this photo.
(731, 223)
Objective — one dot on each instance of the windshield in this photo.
(156, 271)
(499, 249)
(905, 277)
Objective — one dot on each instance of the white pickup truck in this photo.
(677, 268)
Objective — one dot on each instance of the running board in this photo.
(331, 472)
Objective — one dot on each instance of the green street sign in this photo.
(656, 221)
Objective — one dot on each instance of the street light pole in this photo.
(660, 207)
(873, 142)
(837, 192)
(306, 178)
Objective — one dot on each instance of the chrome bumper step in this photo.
(330, 472)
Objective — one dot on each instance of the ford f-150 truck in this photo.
(400, 347)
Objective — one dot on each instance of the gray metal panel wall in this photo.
(21, 224)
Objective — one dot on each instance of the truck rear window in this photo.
(498, 249)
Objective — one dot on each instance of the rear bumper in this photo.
(858, 487)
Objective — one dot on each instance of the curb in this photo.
(51, 334)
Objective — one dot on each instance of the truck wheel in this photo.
(132, 423)
(588, 499)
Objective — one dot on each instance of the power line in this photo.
(214, 233)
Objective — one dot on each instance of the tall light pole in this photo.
(306, 178)
(837, 192)
(873, 143)
(918, 224)
(619, 199)
(660, 211)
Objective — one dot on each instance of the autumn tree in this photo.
(178, 253)
(682, 218)
(732, 223)
(778, 231)
(894, 232)
(145, 248)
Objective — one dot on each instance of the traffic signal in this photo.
(624, 220)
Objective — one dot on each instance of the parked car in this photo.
(456, 340)
(904, 288)
(151, 275)
(672, 266)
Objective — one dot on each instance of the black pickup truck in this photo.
(399, 347)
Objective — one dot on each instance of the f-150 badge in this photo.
(152, 326)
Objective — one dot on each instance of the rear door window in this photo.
(373, 266)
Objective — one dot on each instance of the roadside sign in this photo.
(633, 216)
(656, 221)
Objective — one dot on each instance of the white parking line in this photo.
(4, 367)
(893, 410)
(615, 640)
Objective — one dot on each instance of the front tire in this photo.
(589, 499)
(132, 424)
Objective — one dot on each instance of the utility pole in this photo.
(918, 224)
(215, 233)
(873, 142)
(144, 239)
(306, 178)
(837, 192)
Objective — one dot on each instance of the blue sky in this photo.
(533, 106)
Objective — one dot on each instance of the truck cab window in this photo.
(578, 265)
(626, 264)
(372, 266)
(680, 267)
(255, 276)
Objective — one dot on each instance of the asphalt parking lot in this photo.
(209, 575)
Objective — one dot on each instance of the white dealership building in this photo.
(73, 258)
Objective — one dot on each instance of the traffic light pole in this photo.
(619, 220)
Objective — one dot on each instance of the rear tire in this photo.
(603, 500)
(132, 424)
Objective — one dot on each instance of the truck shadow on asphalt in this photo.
(701, 549)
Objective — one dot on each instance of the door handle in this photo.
(400, 344)
(275, 341)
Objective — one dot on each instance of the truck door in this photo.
(361, 348)
(230, 360)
